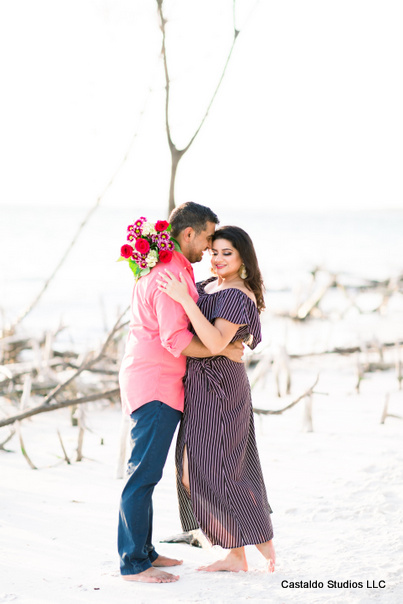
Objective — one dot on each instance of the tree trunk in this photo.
(176, 155)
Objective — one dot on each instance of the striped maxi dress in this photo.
(227, 498)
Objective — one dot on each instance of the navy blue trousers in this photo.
(153, 427)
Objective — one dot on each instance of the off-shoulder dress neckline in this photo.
(203, 284)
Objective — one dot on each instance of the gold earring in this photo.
(242, 272)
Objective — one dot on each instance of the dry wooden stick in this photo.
(9, 437)
(305, 309)
(385, 413)
(81, 430)
(44, 408)
(86, 365)
(343, 351)
(399, 368)
(5, 383)
(23, 449)
(309, 392)
(81, 226)
(308, 424)
(66, 457)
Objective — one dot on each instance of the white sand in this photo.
(336, 495)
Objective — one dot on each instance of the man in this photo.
(152, 390)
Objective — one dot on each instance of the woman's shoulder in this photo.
(250, 294)
(238, 293)
(201, 285)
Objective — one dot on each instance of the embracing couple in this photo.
(178, 328)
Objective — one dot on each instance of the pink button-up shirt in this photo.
(152, 366)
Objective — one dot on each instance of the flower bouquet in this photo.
(147, 244)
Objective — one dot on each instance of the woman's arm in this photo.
(234, 352)
(214, 337)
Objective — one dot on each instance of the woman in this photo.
(220, 482)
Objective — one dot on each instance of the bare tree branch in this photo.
(280, 411)
(66, 457)
(236, 32)
(23, 449)
(176, 154)
(167, 80)
(60, 405)
(77, 234)
(87, 365)
(9, 437)
(45, 406)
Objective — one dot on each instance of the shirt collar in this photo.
(186, 264)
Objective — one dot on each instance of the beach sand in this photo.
(336, 494)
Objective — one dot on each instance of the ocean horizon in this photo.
(91, 287)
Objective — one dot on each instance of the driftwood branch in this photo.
(234, 39)
(310, 307)
(347, 350)
(23, 449)
(308, 392)
(87, 365)
(9, 437)
(77, 234)
(66, 457)
(307, 307)
(44, 408)
(81, 430)
(385, 411)
(46, 405)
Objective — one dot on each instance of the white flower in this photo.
(148, 229)
(152, 258)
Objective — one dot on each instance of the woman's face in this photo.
(225, 259)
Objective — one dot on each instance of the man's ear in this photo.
(187, 234)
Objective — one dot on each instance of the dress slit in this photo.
(187, 516)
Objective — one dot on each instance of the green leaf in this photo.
(176, 244)
(145, 271)
(120, 259)
(169, 227)
(135, 268)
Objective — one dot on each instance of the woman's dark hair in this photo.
(191, 214)
(243, 244)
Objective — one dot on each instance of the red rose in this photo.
(142, 245)
(165, 256)
(126, 251)
(161, 225)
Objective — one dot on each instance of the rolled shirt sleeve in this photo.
(173, 324)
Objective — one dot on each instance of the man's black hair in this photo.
(191, 214)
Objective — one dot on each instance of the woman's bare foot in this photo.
(234, 562)
(164, 561)
(267, 549)
(152, 575)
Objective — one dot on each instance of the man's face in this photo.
(199, 243)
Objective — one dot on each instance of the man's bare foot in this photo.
(164, 561)
(267, 549)
(152, 575)
(234, 562)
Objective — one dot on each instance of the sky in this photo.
(308, 117)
